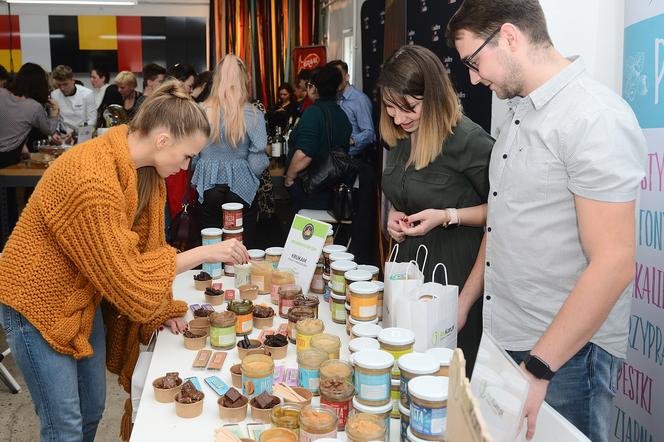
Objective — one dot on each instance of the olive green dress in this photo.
(457, 178)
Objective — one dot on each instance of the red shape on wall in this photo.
(130, 49)
(4, 32)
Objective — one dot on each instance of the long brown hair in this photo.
(416, 71)
(171, 107)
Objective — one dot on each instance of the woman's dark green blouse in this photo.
(457, 178)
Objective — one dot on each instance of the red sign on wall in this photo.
(309, 57)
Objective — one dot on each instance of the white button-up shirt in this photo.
(571, 136)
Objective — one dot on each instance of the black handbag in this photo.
(184, 232)
(344, 202)
(330, 170)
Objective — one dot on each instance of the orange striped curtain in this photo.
(263, 33)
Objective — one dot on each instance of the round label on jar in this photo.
(252, 387)
(309, 379)
(428, 421)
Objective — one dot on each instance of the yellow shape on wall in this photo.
(97, 32)
(4, 58)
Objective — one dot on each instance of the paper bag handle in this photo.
(394, 253)
(412, 262)
(426, 255)
(433, 273)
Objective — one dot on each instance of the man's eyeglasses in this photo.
(469, 61)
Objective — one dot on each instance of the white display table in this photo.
(158, 421)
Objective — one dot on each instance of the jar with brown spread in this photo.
(308, 301)
(328, 343)
(287, 295)
(317, 423)
(317, 282)
(335, 368)
(294, 315)
(222, 330)
(337, 394)
(363, 427)
(279, 279)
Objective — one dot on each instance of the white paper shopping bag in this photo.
(433, 313)
(400, 279)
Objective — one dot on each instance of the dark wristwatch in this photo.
(538, 368)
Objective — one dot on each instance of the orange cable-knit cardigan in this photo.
(76, 245)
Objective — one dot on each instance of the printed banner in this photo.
(309, 57)
(639, 404)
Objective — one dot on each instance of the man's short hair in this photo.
(337, 63)
(483, 17)
(62, 73)
(151, 72)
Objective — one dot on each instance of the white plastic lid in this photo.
(338, 297)
(233, 232)
(342, 256)
(330, 231)
(443, 355)
(256, 253)
(412, 438)
(334, 248)
(363, 287)
(357, 275)
(396, 382)
(419, 363)
(429, 388)
(366, 330)
(232, 206)
(371, 269)
(347, 305)
(396, 336)
(403, 409)
(212, 231)
(356, 321)
(274, 251)
(380, 285)
(374, 360)
(371, 410)
(359, 344)
(343, 265)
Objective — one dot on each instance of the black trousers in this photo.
(210, 213)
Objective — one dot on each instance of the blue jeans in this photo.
(583, 389)
(69, 394)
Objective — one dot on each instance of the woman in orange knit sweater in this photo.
(92, 234)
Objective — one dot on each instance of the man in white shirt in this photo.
(77, 103)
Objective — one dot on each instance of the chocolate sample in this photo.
(213, 292)
(171, 380)
(275, 340)
(262, 311)
(189, 394)
(265, 401)
(233, 399)
(202, 276)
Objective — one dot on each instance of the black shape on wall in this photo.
(373, 29)
(65, 47)
(426, 21)
(153, 39)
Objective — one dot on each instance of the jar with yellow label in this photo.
(328, 343)
(398, 342)
(363, 301)
(244, 312)
(294, 315)
(339, 269)
(306, 329)
(364, 427)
